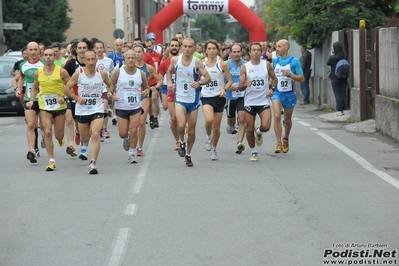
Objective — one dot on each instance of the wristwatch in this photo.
(289, 75)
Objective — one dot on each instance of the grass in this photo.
(351, 120)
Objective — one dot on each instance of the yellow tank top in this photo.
(51, 88)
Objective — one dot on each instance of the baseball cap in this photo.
(150, 35)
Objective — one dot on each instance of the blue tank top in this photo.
(144, 69)
(235, 76)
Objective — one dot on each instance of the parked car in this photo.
(16, 54)
(8, 101)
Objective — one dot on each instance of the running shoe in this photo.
(37, 153)
(156, 123)
(102, 137)
(31, 156)
(50, 166)
(71, 151)
(126, 143)
(92, 168)
(151, 124)
(42, 143)
(240, 147)
(258, 138)
(229, 129)
(131, 158)
(214, 155)
(61, 142)
(279, 148)
(208, 143)
(182, 149)
(140, 152)
(106, 133)
(189, 163)
(286, 146)
(83, 154)
(234, 130)
(114, 121)
(254, 157)
(77, 138)
(177, 146)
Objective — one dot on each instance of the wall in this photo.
(387, 102)
(90, 20)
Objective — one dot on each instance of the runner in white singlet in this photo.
(214, 95)
(254, 80)
(131, 84)
(89, 105)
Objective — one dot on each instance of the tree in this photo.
(312, 22)
(276, 20)
(211, 27)
(43, 21)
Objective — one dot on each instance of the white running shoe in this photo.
(214, 155)
(254, 157)
(208, 143)
(240, 147)
(229, 129)
(131, 158)
(126, 144)
(258, 138)
(92, 168)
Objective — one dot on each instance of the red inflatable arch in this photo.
(236, 8)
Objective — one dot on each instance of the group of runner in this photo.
(78, 91)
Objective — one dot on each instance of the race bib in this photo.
(51, 102)
(131, 98)
(90, 102)
(285, 84)
(237, 93)
(28, 91)
(185, 89)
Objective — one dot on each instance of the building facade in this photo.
(101, 18)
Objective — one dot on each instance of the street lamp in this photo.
(185, 24)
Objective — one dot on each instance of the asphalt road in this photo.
(334, 192)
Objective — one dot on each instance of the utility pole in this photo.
(1, 29)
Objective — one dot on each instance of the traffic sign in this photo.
(119, 34)
(12, 26)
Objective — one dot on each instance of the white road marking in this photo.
(295, 118)
(304, 124)
(314, 128)
(11, 126)
(119, 249)
(130, 209)
(360, 160)
(143, 171)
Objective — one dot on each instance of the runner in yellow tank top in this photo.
(51, 90)
(51, 79)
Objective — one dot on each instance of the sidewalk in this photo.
(367, 126)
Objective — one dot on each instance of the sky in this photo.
(248, 2)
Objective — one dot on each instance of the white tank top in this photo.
(128, 90)
(185, 75)
(255, 95)
(213, 88)
(91, 89)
